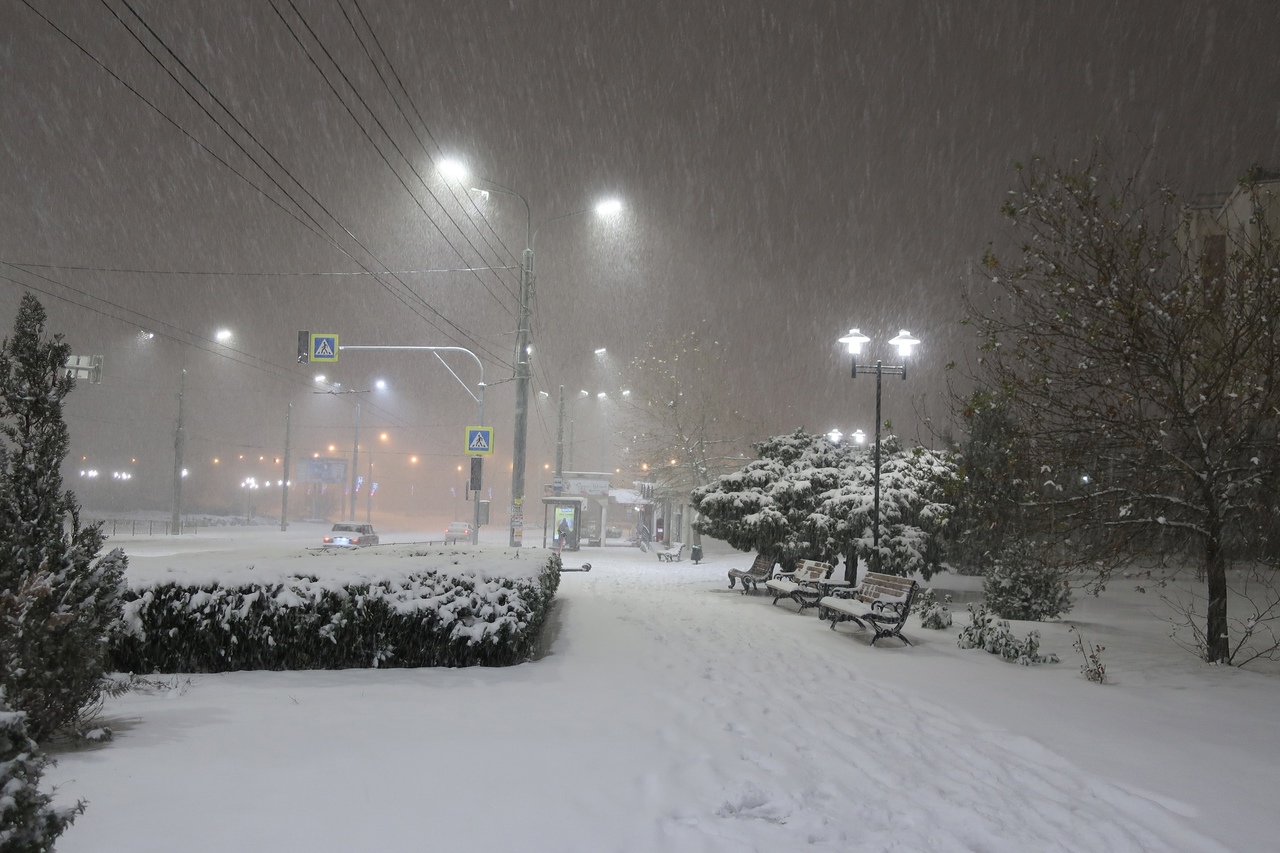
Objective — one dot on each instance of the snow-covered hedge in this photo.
(430, 618)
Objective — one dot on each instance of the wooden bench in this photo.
(881, 602)
(798, 585)
(761, 570)
(674, 554)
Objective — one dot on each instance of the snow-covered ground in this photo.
(670, 714)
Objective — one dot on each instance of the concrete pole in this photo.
(368, 493)
(284, 486)
(522, 400)
(355, 464)
(179, 449)
(559, 481)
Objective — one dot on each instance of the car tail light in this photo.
(328, 538)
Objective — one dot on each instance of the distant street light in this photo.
(457, 172)
(834, 436)
(854, 341)
(222, 335)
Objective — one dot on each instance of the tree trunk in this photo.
(1217, 646)
(851, 566)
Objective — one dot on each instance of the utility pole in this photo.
(179, 446)
(368, 494)
(558, 486)
(284, 490)
(571, 443)
(604, 438)
(355, 463)
(522, 397)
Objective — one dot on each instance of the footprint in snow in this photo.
(754, 804)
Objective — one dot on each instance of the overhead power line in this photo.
(236, 273)
(274, 160)
(369, 138)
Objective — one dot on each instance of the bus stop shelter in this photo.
(567, 508)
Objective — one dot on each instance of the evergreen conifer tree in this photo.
(58, 601)
(28, 822)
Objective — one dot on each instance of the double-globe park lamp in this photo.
(854, 341)
(455, 171)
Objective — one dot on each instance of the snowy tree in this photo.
(681, 417)
(990, 487)
(1139, 360)
(58, 601)
(28, 821)
(807, 498)
(914, 511)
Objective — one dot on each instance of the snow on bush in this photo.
(430, 618)
(809, 498)
(28, 823)
(1019, 585)
(933, 613)
(991, 634)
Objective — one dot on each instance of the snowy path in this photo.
(771, 740)
(671, 715)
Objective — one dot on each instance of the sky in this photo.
(787, 170)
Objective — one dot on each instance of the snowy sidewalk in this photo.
(670, 715)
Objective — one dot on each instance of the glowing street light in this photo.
(854, 341)
(452, 170)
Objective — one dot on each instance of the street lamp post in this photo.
(854, 341)
(456, 171)
(523, 370)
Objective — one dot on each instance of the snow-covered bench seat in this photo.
(881, 602)
(674, 554)
(798, 585)
(760, 570)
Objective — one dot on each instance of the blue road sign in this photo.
(479, 441)
(324, 347)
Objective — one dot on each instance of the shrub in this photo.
(1020, 585)
(426, 619)
(58, 601)
(28, 823)
(1093, 668)
(933, 613)
(991, 634)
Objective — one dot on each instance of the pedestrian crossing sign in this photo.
(324, 347)
(479, 441)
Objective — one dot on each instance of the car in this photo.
(348, 534)
(458, 531)
(613, 532)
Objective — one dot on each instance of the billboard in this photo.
(322, 470)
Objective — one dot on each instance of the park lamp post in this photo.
(854, 341)
(456, 171)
